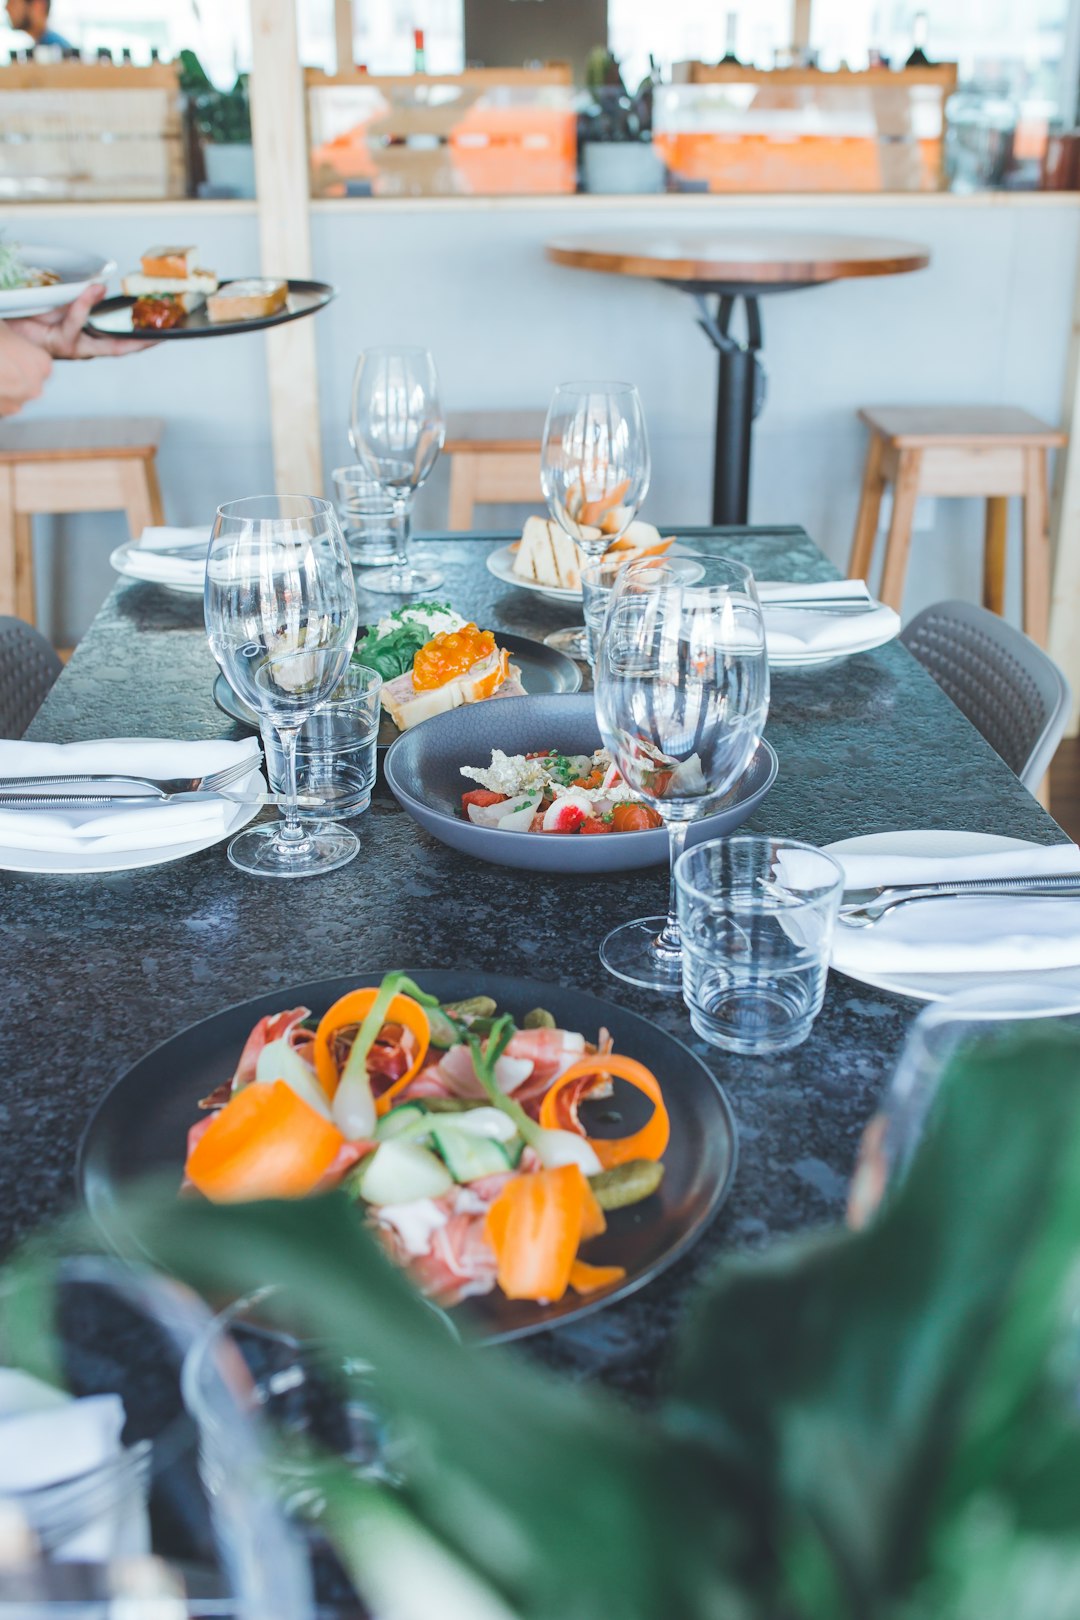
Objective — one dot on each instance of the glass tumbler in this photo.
(367, 517)
(756, 918)
(335, 751)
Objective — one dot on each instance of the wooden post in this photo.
(279, 133)
(800, 24)
(343, 35)
(1065, 598)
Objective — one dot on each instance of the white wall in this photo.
(988, 322)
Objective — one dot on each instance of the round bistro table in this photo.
(733, 266)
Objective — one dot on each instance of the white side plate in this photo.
(75, 268)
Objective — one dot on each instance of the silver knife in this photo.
(1063, 881)
(88, 801)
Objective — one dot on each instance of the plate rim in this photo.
(118, 557)
(588, 1304)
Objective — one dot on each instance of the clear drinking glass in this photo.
(366, 513)
(756, 920)
(397, 430)
(594, 470)
(280, 608)
(682, 691)
(335, 751)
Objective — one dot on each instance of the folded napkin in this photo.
(151, 559)
(790, 631)
(988, 934)
(108, 828)
(48, 1438)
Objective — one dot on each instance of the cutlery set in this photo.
(862, 908)
(95, 792)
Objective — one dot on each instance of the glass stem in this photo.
(292, 831)
(669, 935)
(403, 526)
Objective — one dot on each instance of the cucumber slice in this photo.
(484, 1121)
(407, 1119)
(444, 1032)
(279, 1061)
(400, 1172)
(469, 1157)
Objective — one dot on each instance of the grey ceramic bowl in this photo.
(423, 768)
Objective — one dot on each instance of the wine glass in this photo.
(398, 429)
(594, 471)
(280, 608)
(682, 691)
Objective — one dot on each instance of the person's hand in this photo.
(24, 370)
(59, 332)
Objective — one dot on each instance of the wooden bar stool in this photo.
(495, 457)
(101, 465)
(990, 450)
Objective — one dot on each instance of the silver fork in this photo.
(158, 786)
(862, 908)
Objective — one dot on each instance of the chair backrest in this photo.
(1010, 690)
(28, 668)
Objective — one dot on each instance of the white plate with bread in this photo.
(172, 295)
(547, 560)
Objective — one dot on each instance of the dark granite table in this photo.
(98, 969)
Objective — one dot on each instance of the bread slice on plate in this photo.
(174, 263)
(548, 556)
(191, 290)
(249, 300)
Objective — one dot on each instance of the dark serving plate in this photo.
(543, 670)
(141, 1125)
(112, 317)
(423, 769)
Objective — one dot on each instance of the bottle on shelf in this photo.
(730, 57)
(419, 53)
(920, 33)
(125, 55)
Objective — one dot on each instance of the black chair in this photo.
(1009, 689)
(28, 669)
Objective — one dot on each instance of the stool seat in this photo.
(988, 451)
(64, 464)
(494, 457)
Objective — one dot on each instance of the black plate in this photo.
(542, 670)
(112, 317)
(141, 1126)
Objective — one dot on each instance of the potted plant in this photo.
(879, 1425)
(222, 121)
(615, 132)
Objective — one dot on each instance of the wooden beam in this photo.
(343, 35)
(1065, 597)
(800, 24)
(279, 133)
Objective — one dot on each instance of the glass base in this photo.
(261, 851)
(574, 643)
(631, 953)
(409, 581)
(754, 1023)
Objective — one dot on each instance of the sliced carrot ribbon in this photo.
(559, 1111)
(535, 1227)
(353, 1009)
(265, 1143)
(586, 1279)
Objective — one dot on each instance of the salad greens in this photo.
(13, 272)
(391, 645)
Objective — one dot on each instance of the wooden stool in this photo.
(989, 450)
(495, 456)
(99, 465)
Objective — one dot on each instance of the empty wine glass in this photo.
(397, 430)
(594, 471)
(280, 608)
(682, 691)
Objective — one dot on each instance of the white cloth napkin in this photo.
(47, 1438)
(989, 934)
(790, 631)
(116, 827)
(150, 559)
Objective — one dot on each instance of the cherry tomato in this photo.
(595, 824)
(633, 818)
(481, 797)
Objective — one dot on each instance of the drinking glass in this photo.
(335, 751)
(594, 471)
(366, 513)
(280, 609)
(397, 430)
(756, 920)
(682, 691)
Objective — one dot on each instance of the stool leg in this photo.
(7, 541)
(139, 496)
(898, 543)
(1036, 548)
(153, 489)
(462, 491)
(994, 549)
(25, 605)
(866, 524)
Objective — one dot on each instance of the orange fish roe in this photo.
(450, 653)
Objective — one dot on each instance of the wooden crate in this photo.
(90, 131)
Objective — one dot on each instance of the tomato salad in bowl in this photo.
(457, 1131)
(551, 792)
